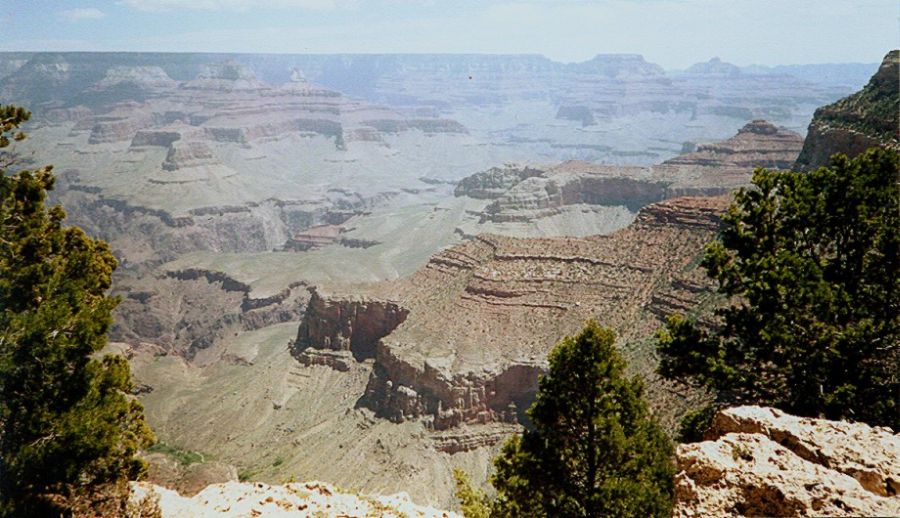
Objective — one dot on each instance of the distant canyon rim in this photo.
(350, 268)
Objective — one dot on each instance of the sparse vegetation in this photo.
(183, 457)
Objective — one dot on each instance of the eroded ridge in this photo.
(468, 334)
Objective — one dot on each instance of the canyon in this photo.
(351, 268)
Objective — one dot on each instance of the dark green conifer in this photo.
(69, 431)
(811, 264)
(594, 449)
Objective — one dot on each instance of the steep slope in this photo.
(471, 330)
(763, 462)
(868, 118)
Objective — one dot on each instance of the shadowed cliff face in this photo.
(868, 118)
(354, 325)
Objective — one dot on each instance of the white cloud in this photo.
(229, 5)
(88, 13)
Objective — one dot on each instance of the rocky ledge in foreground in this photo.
(762, 462)
(297, 499)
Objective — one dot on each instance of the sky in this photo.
(672, 33)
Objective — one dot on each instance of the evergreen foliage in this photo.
(472, 502)
(594, 449)
(811, 263)
(69, 431)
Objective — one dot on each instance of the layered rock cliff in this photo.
(762, 462)
(525, 194)
(467, 335)
(352, 324)
(868, 118)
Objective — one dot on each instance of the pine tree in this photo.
(593, 449)
(811, 265)
(69, 432)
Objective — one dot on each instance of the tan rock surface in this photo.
(763, 462)
(309, 499)
(529, 194)
(480, 317)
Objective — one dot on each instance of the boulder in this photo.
(763, 462)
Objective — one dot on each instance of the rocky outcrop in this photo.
(160, 138)
(542, 196)
(868, 118)
(762, 462)
(139, 77)
(184, 155)
(225, 76)
(116, 128)
(757, 144)
(619, 66)
(465, 439)
(354, 324)
(424, 125)
(314, 237)
(467, 337)
(714, 67)
(524, 194)
(494, 182)
(303, 499)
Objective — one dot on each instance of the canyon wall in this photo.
(868, 118)
(467, 335)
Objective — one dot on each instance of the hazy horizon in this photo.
(672, 33)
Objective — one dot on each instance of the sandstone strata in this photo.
(763, 462)
(464, 339)
(523, 194)
(353, 324)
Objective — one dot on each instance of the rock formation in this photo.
(300, 499)
(354, 325)
(494, 182)
(868, 118)
(314, 237)
(464, 339)
(138, 77)
(762, 462)
(715, 67)
(525, 194)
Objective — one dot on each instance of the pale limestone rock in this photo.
(763, 462)
(236, 499)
